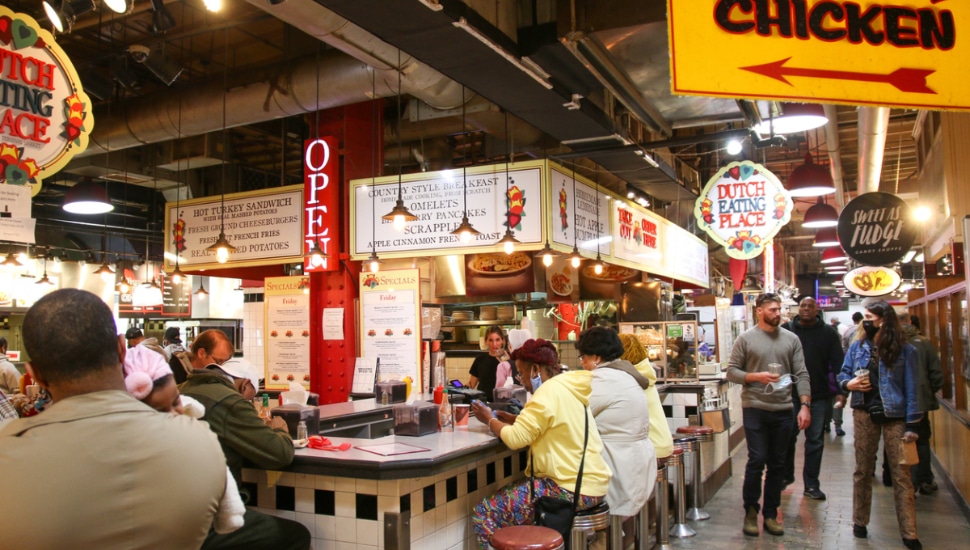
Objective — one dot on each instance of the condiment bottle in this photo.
(385, 400)
(301, 430)
(445, 421)
(264, 410)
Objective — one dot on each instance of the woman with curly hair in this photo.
(553, 423)
(880, 370)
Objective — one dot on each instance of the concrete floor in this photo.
(828, 524)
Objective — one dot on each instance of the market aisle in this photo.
(828, 524)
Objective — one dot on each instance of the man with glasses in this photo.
(768, 363)
(226, 387)
(211, 347)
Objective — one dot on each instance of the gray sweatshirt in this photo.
(753, 351)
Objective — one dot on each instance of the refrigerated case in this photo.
(672, 348)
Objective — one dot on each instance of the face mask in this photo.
(536, 382)
(870, 328)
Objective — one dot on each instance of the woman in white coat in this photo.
(619, 405)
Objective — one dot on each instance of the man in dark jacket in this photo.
(822, 347)
(226, 390)
(930, 382)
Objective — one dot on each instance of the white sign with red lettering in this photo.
(45, 116)
(322, 201)
(743, 207)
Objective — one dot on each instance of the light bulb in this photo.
(733, 147)
(598, 268)
(398, 223)
(213, 5)
(222, 254)
(547, 260)
(124, 287)
(509, 247)
(922, 213)
(202, 296)
(575, 261)
(306, 290)
(107, 276)
(374, 266)
(316, 259)
(176, 279)
(465, 236)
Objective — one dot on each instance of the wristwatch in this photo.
(806, 403)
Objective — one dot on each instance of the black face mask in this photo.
(870, 328)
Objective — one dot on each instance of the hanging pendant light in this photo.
(177, 275)
(575, 258)
(373, 261)
(221, 247)
(465, 231)
(87, 197)
(598, 265)
(547, 254)
(820, 215)
(793, 118)
(399, 215)
(810, 180)
(202, 292)
(826, 237)
(833, 255)
(105, 271)
(11, 261)
(124, 285)
(45, 280)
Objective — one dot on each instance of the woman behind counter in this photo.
(619, 404)
(553, 422)
(485, 367)
(884, 401)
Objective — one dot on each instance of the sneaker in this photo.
(772, 527)
(913, 544)
(827, 429)
(814, 493)
(860, 531)
(928, 488)
(839, 432)
(786, 482)
(751, 522)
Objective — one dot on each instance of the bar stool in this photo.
(680, 529)
(526, 537)
(663, 507)
(700, 434)
(587, 523)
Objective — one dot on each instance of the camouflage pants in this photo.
(866, 444)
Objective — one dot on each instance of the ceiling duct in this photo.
(873, 127)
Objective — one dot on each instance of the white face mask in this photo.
(783, 382)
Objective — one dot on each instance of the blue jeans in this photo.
(767, 434)
(814, 444)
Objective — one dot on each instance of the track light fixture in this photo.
(162, 19)
(63, 13)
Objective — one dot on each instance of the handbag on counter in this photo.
(556, 513)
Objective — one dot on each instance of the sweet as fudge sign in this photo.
(743, 207)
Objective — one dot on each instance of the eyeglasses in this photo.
(216, 360)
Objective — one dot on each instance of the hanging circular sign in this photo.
(743, 207)
(871, 280)
(876, 228)
(46, 117)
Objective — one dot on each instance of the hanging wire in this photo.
(399, 215)
(374, 261)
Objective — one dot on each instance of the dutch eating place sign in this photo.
(907, 53)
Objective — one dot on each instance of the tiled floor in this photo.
(828, 524)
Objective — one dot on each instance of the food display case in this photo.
(671, 347)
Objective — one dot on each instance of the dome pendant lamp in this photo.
(465, 230)
(820, 215)
(826, 238)
(221, 247)
(810, 180)
(793, 118)
(833, 255)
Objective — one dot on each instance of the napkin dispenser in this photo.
(415, 419)
(510, 392)
(397, 391)
(292, 414)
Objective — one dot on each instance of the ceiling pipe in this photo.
(835, 152)
(873, 127)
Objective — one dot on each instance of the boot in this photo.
(772, 527)
(751, 522)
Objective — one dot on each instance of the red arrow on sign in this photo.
(904, 80)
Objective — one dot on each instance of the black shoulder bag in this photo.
(555, 513)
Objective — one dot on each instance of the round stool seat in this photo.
(677, 451)
(702, 433)
(526, 537)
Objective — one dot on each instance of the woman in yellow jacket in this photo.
(553, 423)
(634, 352)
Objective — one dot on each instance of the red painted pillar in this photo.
(359, 130)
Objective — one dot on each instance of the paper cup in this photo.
(461, 414)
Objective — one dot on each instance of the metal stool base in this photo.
(681, 531)
(697, 514)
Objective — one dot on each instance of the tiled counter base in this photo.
(345, 513)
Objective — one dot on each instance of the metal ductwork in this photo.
(292, 91)
(835, 153)
(873, 127)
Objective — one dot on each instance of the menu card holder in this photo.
(365, 378)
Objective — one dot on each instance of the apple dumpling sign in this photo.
(743, 207)
(45, 116)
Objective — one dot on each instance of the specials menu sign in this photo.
(743, 207)
(45, 116)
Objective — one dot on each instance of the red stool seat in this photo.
(526, 537)
(695, 430)
(677, 450)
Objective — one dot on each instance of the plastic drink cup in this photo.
(862, 373)
(461, 414)
(775, 368)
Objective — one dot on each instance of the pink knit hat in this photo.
(143, 366)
